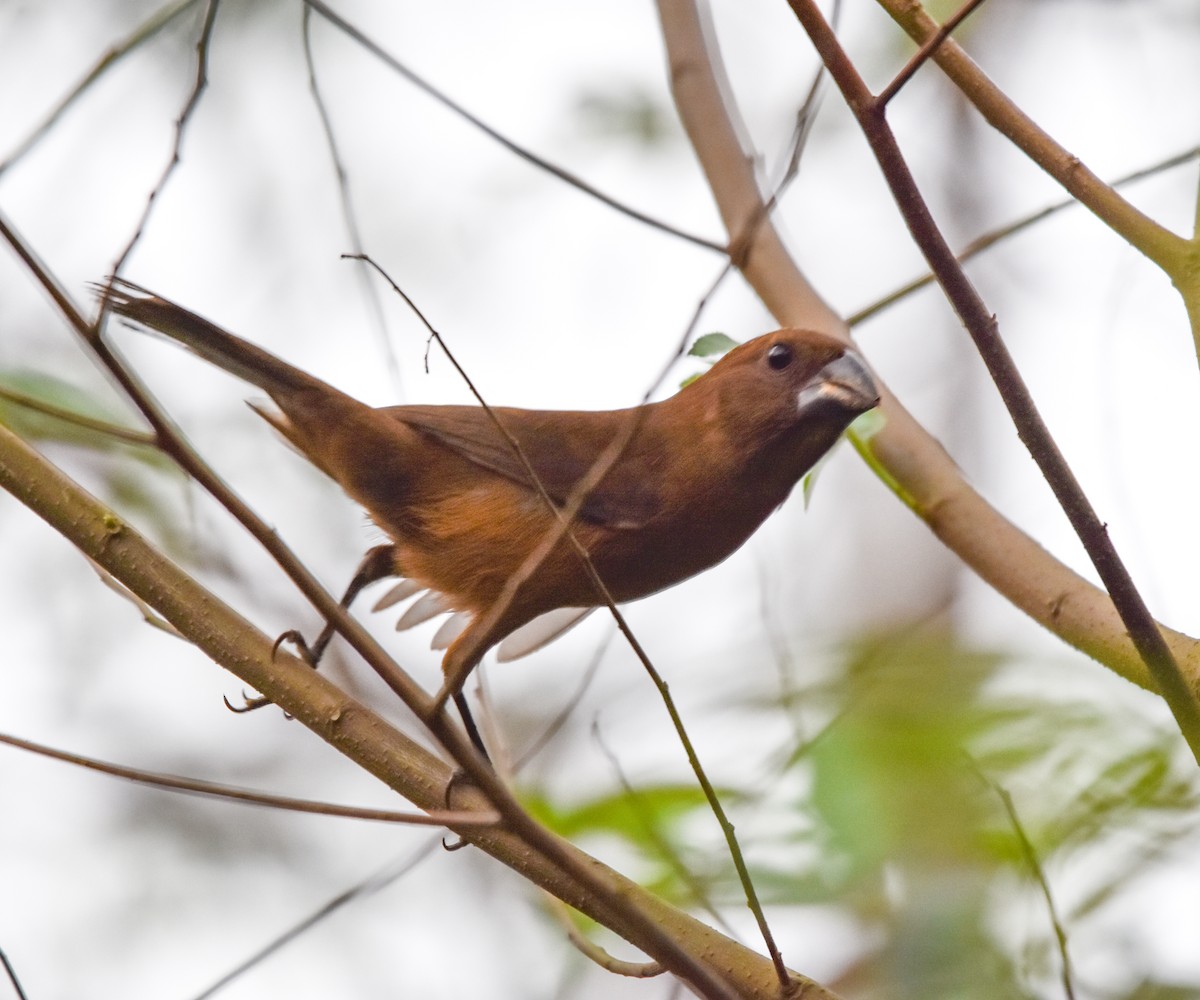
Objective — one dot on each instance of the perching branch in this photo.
(609, 903)
(368, 740)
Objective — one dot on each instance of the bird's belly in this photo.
(469, 547)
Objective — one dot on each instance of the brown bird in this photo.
(700, 472)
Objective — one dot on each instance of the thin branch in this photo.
(741, 244)
(1035, 867)
(211, 789)
(12, 976)
(113, 55)
(983, 328)
(181, 123)
(1152, 239)
(529, 157)
(386, 876)
(907, 459)
(990, 239)
(596, 954)
(110, 430)
(554, 726)
(564, 517)
(349, 215)
(921, 56)
(609, 904)
(668, 853)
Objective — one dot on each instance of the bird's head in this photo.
(786, 382)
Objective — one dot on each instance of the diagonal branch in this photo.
(994, 236)
(528, 156)
(181, 123)
(912, 462)
(704, 100)
(1154, 240)
(921, 56)
(113, 55)
(371, 742)
(349, 212)
(984, 331)
(214, 790)
(611, 901)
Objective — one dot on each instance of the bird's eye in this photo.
(779, 356)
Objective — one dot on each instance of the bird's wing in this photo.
(542, 631)
(529, 638)
(561, 447)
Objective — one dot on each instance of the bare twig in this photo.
(541, 163)
(103, 427)
(1039, 875)
(145, 31)
(741, 244)
(661, 844)
(564, 517)
(596, 954)
(990, 239)
(181, 124)
(921, 56)
(552, 728)
(702, 94)
(349, 215)
(386, 876)
(12, 976)
(982, 326)
(211, 789)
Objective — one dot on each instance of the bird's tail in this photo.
(223, 349)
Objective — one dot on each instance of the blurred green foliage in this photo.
(47, 411)
(894, 815)
(633, 114)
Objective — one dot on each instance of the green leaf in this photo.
(42, 407)
(619, 813)
(712, 345)
(867, 425)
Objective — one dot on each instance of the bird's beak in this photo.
(844, 384)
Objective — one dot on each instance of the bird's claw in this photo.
(299, 643)
(248, 704)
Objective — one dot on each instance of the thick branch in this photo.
(914, 462)
(984, 331)
(351, 727)
(707, 112)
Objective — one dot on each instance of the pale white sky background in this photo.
(550, 300)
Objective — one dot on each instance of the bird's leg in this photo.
(377, 564)
(464, 711)
(461, 658)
